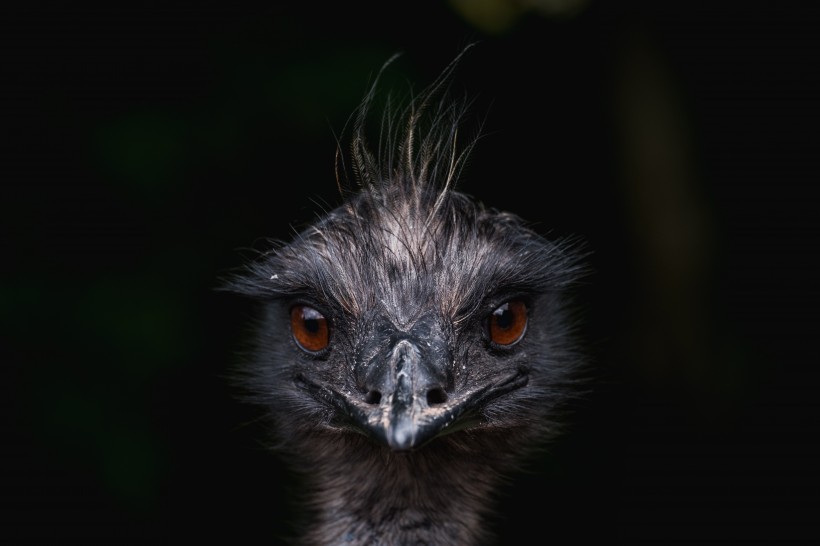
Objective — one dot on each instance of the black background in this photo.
(145, 148)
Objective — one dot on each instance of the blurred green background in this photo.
(146, 148)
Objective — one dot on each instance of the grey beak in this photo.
(406, 391)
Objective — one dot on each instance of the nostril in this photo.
(373, 397)
(436, 396)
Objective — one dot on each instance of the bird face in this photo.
(407, 326)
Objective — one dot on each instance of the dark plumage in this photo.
(414, 346)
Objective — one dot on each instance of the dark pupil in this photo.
(311, 325)
(311, 320)
(503, 316)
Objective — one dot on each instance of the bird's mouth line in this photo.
(433, 420)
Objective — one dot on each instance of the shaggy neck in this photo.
(380, 497)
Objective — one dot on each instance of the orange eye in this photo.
(309, 328)
(508, 323)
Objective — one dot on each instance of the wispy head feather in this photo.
(418, 151)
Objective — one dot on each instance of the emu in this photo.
(414, 347)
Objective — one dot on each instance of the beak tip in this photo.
(401, 437)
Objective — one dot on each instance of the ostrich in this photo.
(413, 347)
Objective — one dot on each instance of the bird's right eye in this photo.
(309, 328)
(508, 323)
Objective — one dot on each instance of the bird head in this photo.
(412, 312)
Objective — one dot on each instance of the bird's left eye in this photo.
(309, 328)
(508, 323)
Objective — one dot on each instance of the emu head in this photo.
(411, 314)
